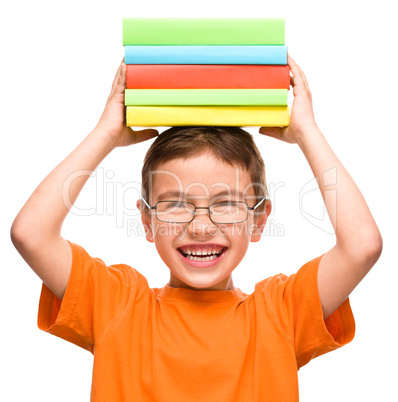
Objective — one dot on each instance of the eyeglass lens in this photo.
(223, 212)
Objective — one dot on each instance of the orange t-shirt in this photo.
(177, 344)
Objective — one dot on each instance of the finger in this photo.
(298, 81)
(116, 79)
(274, 132)
(294, 68)
(119, 83)
(122, 79)
(143, 135)
(303, 77)
(297, 72)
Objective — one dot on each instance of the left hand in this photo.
(302, 115)
(113, 118)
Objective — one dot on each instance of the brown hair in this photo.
(231, 145)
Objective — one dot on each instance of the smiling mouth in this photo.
(202, 256)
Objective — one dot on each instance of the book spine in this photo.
(203, 31)
(227, 97)
(206, 55)
(152, 116)
(168, 76)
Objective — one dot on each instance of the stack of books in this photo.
(206, 71)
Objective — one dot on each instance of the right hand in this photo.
(113, 118)
(302, 118)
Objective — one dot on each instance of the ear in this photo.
(259, 224)
(146, 221)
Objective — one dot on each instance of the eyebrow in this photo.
(180, 195)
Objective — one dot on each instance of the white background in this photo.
(59, 60)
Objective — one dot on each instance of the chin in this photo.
(200, 281)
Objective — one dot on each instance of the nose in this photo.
(201, 223)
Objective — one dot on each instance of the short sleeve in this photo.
(297, 310)
(95, 298)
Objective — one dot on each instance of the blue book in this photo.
(213, 54)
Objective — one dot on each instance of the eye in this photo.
(228, 207)
(173, 204)
(227, 203)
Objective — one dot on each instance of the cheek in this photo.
(240, 233)
(164, 233)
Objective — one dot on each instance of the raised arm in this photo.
(358, 240)
(36, 230)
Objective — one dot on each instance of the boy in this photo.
(204, 200)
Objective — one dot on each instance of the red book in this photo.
(216, 76)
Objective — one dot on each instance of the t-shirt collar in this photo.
(203, 296)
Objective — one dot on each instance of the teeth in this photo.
(210, 258)
(204, 252)
(202, 255)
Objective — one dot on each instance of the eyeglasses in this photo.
(225, 212)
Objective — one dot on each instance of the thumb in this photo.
(274, 132)
(143, 135)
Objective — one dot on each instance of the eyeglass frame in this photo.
(195, 208)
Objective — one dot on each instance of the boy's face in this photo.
(201, 180)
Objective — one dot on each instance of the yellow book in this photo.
(153, 116)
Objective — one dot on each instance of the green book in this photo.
(181, 97)
(203, 31)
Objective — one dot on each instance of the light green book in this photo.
(181, 97)
(203, 31)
